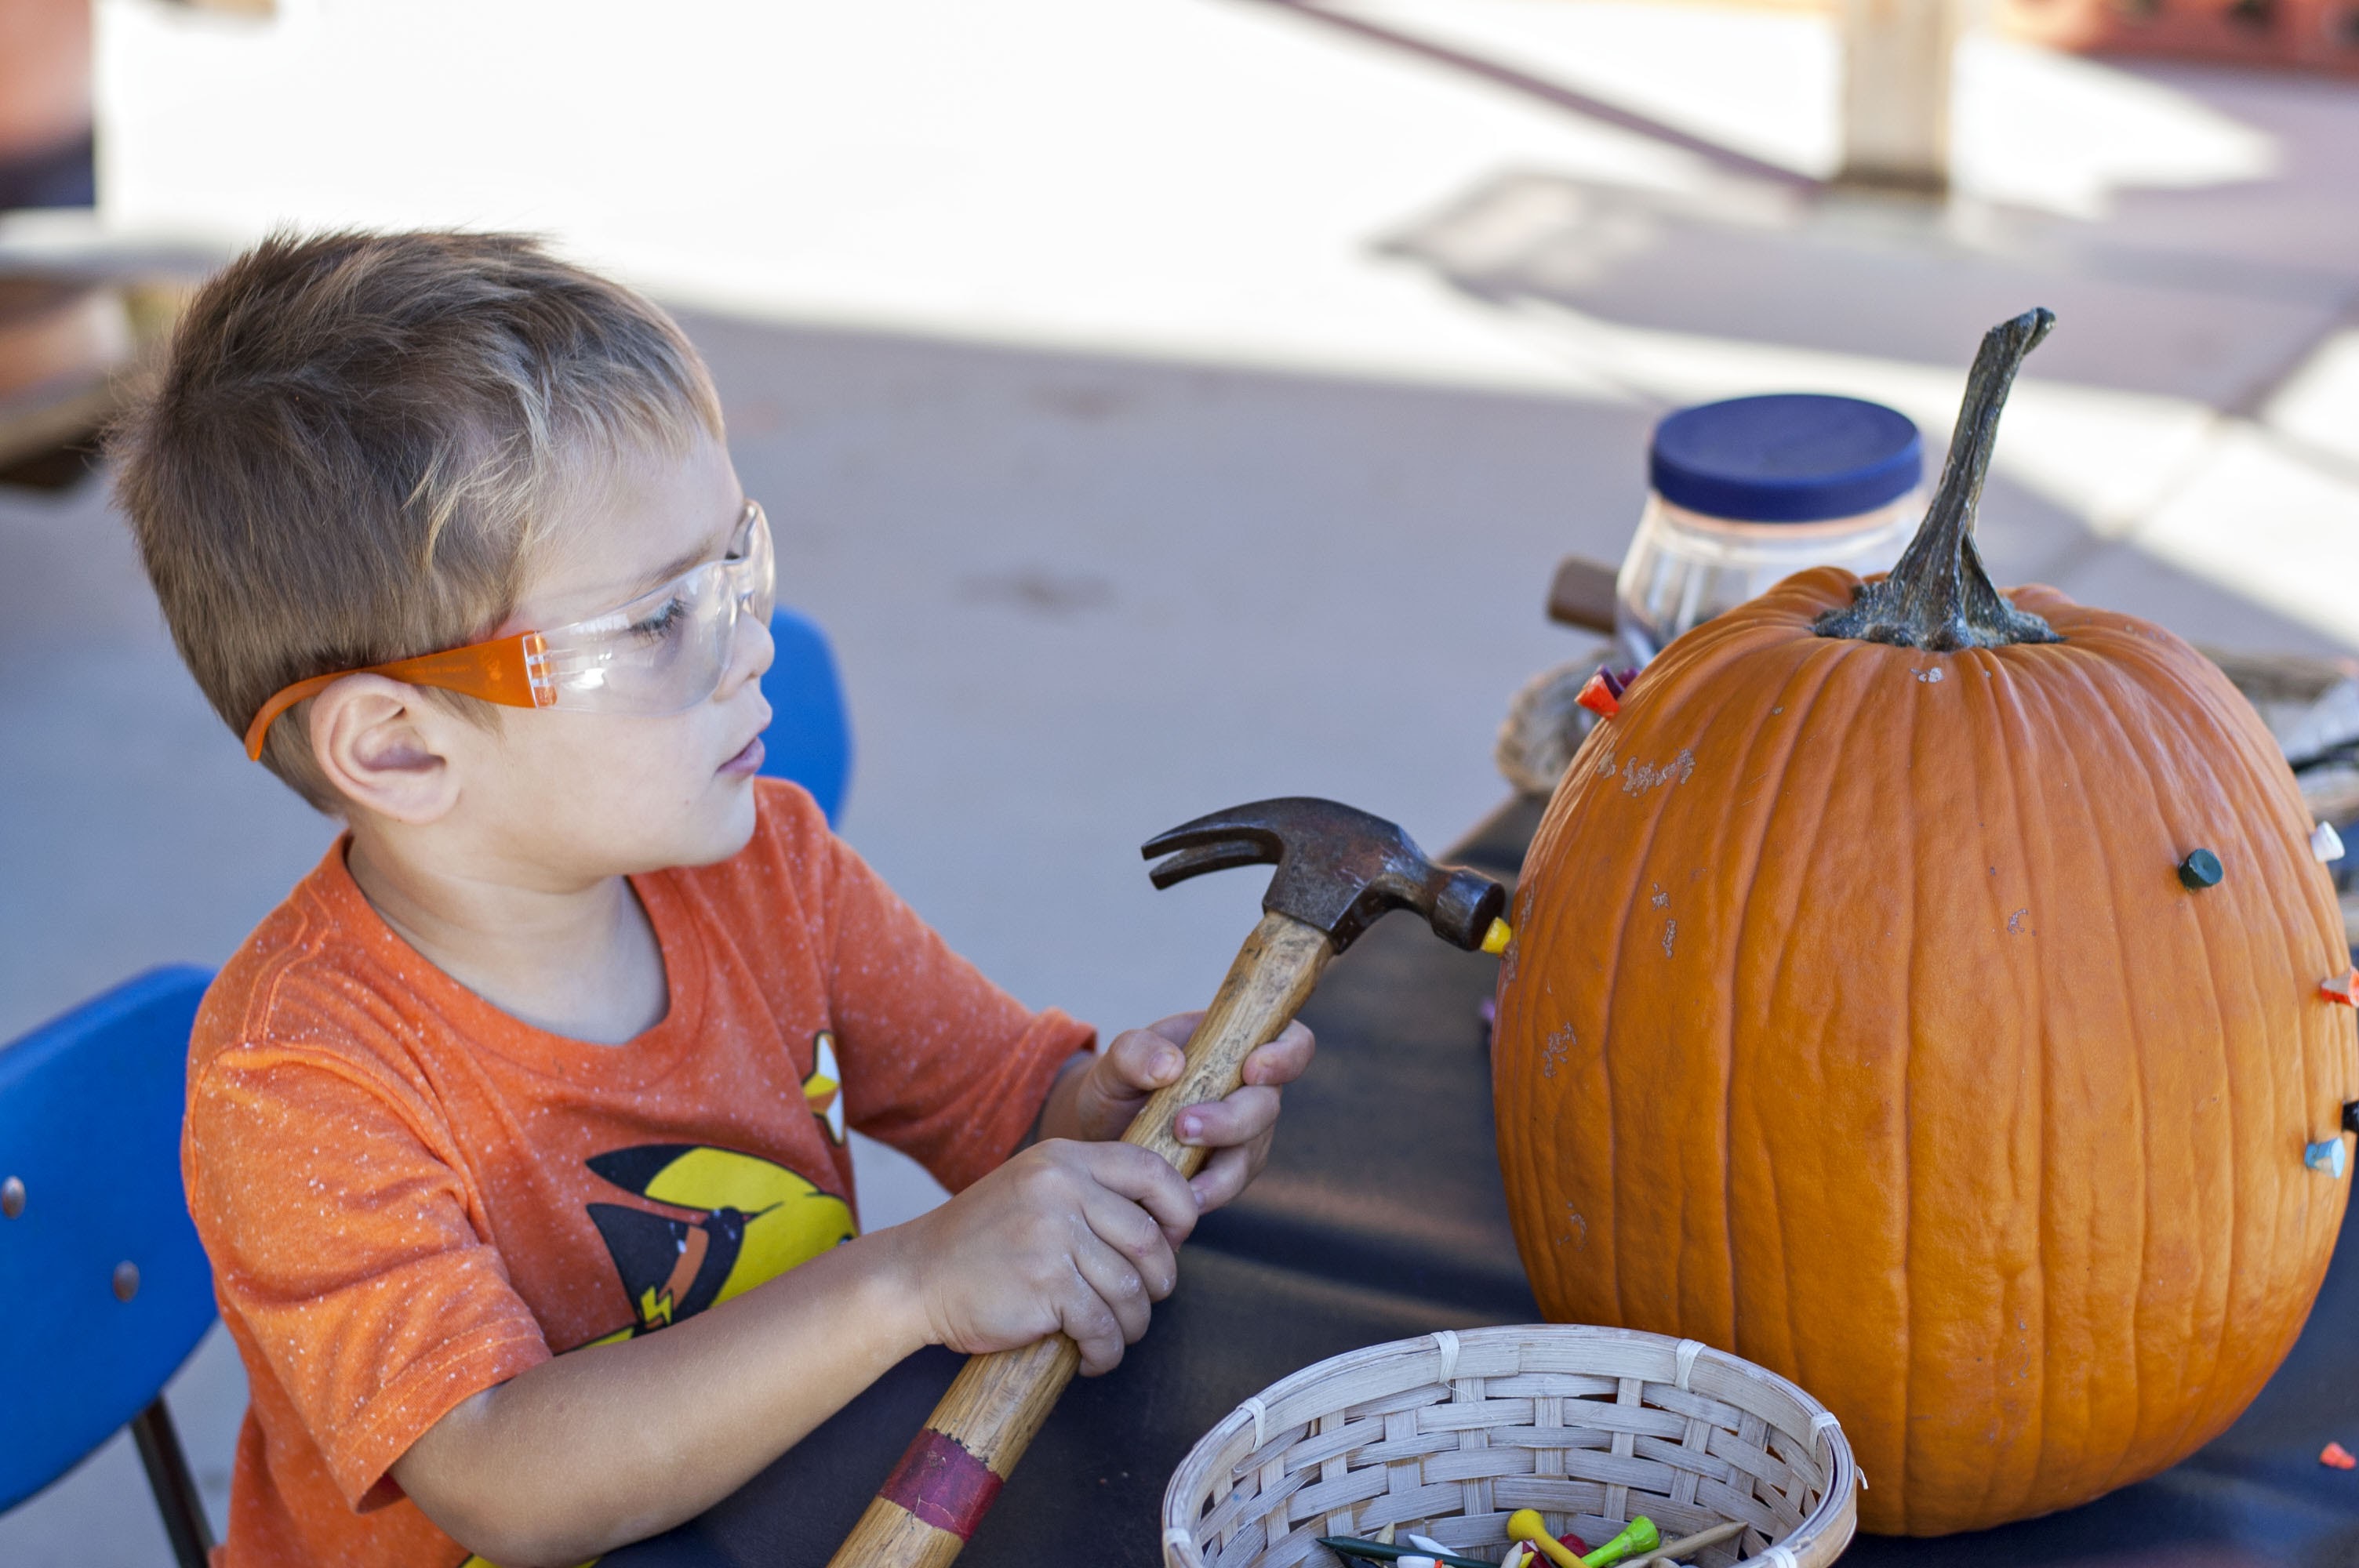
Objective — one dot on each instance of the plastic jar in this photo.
(1744, 494)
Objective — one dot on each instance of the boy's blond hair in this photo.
(355, 442)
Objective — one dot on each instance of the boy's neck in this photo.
(576, 960)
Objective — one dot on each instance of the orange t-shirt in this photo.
(410, 1195)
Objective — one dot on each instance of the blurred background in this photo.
(1171, 403)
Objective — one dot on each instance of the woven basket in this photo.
(1448, 1434)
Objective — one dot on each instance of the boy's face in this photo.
(571, 797)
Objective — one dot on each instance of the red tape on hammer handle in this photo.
(942, 1484)
(952, 1474)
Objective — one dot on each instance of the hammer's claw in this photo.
(1219, 855)
(1262, 823)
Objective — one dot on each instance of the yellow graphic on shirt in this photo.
(824, 1089)
(755, 1220)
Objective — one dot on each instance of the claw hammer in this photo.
(1338, 870)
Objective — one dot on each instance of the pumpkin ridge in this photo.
(2140, 682)
(2194, 1411)
(1777, 1203)
(1731, 802)
(1609, 1251)
(2013, 709)
(1794, 605)
(1730, 1206)
(2290, 828)
(2034, 694)
(2161, 659)
(1853, 654)
(1727, 693)
(1535, 930)
(1716, 645)
(1993, 710)
(1909, 1229)
(2107, 681)
(2091, 674)
(1830, 670)
(2247, 851)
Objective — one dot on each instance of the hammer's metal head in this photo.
(1338, 869)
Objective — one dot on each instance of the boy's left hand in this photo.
(1108, 1091)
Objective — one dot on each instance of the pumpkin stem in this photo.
(1939, 598)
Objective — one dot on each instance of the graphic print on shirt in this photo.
(750, 1220)
(823, 1090)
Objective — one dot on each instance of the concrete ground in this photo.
(1169, 404)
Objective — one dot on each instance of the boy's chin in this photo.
(616, 839)
(721, 830)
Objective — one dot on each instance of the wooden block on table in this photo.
(1582, 594)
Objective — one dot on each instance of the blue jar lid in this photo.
(1787, 458)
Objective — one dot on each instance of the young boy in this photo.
(558, 1045)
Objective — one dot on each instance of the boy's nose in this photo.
(753, 650)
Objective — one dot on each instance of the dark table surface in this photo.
(1380, 1217)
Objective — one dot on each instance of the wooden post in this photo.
(1896, 92)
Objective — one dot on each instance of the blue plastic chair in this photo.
(103, 1287)
(809, 738)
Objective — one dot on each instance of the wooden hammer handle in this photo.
(1264, 989)
(947, 1480)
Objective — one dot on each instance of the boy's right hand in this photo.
(1066, 1237)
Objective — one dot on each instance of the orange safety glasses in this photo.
(662, 652)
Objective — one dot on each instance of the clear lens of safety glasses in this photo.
(666, 649)
(664, 652)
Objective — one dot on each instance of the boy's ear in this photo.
(384, 748)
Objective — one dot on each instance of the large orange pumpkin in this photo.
(1859, 1021)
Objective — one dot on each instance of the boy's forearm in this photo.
(611, 1444)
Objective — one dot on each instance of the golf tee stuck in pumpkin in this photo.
(1859, 1021)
